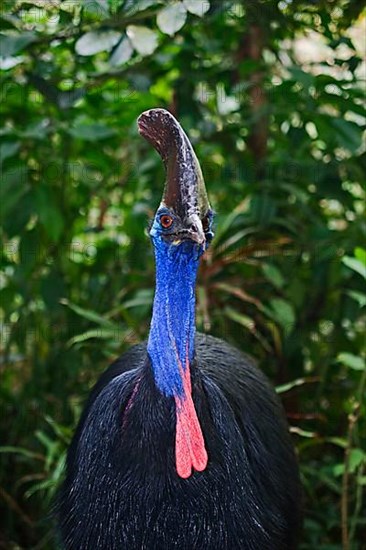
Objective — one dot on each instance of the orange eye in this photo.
(166, 221)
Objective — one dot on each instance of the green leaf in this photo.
(95, 333)
(89, 314)
(283, 312)
(8, 149)
(302, 433)
(360, 297)
(21, 451)
(122, 53)
(290, 385)
(197, 7)
(144, 40)
(172, 18)
(97, 41)
(355, 264)
(360, 254)
(10, 45)
(352, 361)
(49, 213)
(243, 320)
(339, 441)
(356, 458)
(348, 134)
(14, 184)
(305, 78)
(131, 7)
(92, 132)
(274, 275)
(97, 8)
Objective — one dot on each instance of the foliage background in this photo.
(272, 96)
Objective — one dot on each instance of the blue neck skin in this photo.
(172, 331)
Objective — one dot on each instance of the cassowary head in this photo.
(184, 214)
(181, 232)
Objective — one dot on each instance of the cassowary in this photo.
(183, 443)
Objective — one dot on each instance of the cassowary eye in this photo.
(166, 221)
(206, 224)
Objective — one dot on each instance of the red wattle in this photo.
(190, 450)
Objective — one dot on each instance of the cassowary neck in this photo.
(171, 346)
(171, 339)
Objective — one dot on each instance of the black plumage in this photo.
(122, 491)
(125, 488)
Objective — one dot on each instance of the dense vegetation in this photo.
(271, 94)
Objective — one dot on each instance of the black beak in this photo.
(184, 191)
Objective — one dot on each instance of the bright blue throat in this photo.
(171, 339)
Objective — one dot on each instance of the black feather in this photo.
(122, 490)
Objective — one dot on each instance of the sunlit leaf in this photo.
(355, 264)
(283, 388)
(352, 361)
(172, 18)
(144, 40)
(122, 53)
(10, 45)
(96, 41)
(360, 297)
(197, 7)
(360, 255)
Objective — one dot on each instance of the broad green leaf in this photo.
(10, 45)
(143, 297)
(122, 53)
(172, 18)
(360, 254)
(356, 458)
(355, 264)
(49, 213)
(348, 134)
(352, 361)
(197, 7)
(92, 132)
(360, 297)
(274, 275)
(283, 312)
(131, 7)
(98, 8)
(96, 41)
(144, 40)
(14, 184)
(306, 78)
(8, 149)
(7, 63)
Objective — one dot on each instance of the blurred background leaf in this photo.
(272, 96)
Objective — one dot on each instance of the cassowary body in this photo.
(183, 443)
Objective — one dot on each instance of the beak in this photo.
(185, 191)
